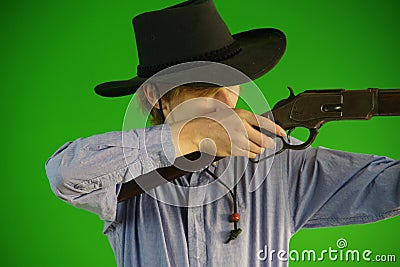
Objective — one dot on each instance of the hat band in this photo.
(214, 55)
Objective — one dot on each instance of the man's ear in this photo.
(152, 96)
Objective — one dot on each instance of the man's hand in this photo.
(227, 132)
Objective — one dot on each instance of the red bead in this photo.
(235, 217)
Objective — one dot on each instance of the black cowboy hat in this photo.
(194, 31)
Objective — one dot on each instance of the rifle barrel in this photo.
(388, 102)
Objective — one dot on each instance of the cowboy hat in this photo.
(194, 31)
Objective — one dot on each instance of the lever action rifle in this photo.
(310, 109)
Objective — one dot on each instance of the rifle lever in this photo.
(285, 145)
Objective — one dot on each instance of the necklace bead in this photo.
(235, 217)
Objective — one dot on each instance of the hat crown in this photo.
(187, 31)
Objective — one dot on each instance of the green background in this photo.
(54, 52)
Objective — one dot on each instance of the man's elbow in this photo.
(62, 179)
(67, 187)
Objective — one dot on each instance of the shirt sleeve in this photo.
(87, 173)
(331, 188)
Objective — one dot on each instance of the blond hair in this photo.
(174, 97)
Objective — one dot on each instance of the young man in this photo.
(189, 221)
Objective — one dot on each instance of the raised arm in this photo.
(331, 188)
(85, 172)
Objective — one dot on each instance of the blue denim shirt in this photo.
(186, 222)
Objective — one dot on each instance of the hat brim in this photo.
(261, 50)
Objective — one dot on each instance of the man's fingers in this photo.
(262, 122)
(258, 137)
(256, 149)
(246, 153)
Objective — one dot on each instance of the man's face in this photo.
(189, 105)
